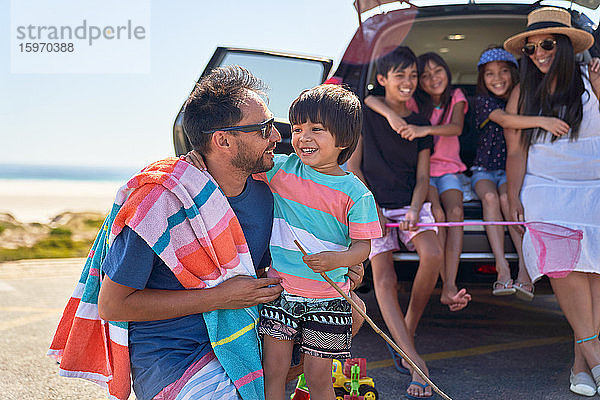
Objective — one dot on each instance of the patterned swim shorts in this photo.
(322, 327)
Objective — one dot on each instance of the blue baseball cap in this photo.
(496, 55)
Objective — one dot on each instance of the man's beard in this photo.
(245, 161)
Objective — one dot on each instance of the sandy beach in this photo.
(40, 200)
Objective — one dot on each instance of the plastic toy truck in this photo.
(346, 384)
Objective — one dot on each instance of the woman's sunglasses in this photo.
(546, 44)
(264, 128)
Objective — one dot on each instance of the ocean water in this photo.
(65, 173)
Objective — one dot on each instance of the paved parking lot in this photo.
(497, 348)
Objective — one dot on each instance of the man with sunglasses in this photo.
(169, 347)
(229, 124)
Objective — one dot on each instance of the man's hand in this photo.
(556, 126)
(323, 261)
(245, 291)
(355, 274)
(195, 158)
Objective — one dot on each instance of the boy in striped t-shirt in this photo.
(333, 215)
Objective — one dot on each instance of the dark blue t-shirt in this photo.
(160, 351)
(491, 148)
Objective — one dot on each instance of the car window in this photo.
(285, 77)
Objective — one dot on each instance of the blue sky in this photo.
(126, 119)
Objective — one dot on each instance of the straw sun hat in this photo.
(550, 20)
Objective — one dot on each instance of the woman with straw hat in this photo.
(557, 179)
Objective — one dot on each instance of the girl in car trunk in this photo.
(445, 108)
(498, 74)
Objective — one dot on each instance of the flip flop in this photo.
(503, 288)
(397, 360)
(423, 386)
(523, 291)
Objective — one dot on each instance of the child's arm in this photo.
(453, 128)
(420, 191)
(377, 104)
(553, 125)
(329, 260)
(516, 163)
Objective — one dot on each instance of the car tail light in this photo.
(485, 269)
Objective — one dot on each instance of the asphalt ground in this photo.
(496, 348)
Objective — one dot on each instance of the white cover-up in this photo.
(562, 186)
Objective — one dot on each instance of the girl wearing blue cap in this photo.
(497, 76)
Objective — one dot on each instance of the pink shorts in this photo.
(391, 241)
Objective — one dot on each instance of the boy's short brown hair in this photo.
(337, 109)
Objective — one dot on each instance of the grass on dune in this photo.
(58, 243)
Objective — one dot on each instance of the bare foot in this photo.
(456, 301)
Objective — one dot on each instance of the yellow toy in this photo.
(349, 382)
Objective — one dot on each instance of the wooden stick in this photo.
(382, 334)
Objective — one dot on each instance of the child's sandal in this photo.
(397, 360)
(503, 288)
(524, 290)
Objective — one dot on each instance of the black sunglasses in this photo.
(265, 128)
(546, 44)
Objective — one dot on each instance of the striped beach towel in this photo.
(183, 216)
